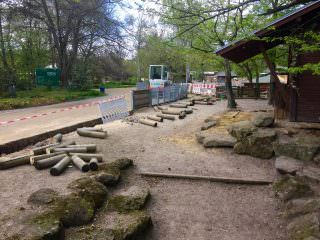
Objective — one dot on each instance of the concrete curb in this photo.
(20, 144)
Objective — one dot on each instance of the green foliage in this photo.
(44, 96)
(119, 84)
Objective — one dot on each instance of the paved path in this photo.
(29, 127)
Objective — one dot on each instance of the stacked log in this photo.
(61, 166)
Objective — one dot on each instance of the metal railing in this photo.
(168, 94)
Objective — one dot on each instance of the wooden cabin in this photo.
(298, 97)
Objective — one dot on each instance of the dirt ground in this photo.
(179, 209)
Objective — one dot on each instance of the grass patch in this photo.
(44, 96)
(114, 84)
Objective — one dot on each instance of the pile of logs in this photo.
(58, 157)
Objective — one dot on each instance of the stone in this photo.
(43, 196)
(304, 227)
(107, 179)
(299, 207)
(258, 144)
(219, 140)
(310, 173)
(132, 199)
(292, 187)
(263, 119)
(303, 147)
(288, 165)
(120, 227)
(207, 125)
(241, 129)
(88, 188)
(316, 159)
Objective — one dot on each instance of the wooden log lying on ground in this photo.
(166, 116)
(80, 164)
(48, 162)
(88, 156)
(89, 147)
(95, 129)
(148, 122)
(203, 103)
(50, 149)
(71, 149)
(178, 105)
(14, 162)
(172, 111)
(58, 138)
(208, 178)
(60, 167)
(92, 134)
(33, 159)
(42, 149)
(93, 164)
(187, 103)
(162, 108)
(182, 115)
(155, 118)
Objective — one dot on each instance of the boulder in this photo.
(304, 227)
(88, 188)
(241, 130)
(107, 179)
(119, 227)
(303, 147)
(263, 120)
(43, 196)
(310, 173)
(299, 207)
(219, 140)
(207, 125)
(288, 165)
(132, 199)
(258, 144)
(292, 187)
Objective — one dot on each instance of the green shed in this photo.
(49, 77)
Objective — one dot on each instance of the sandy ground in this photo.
(180, 209)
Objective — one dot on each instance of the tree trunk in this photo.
(228, 82)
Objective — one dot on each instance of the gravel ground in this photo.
(180, 209)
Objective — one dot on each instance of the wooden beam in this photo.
(208, 178)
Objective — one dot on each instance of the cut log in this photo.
(172, 112)
(80, 164)
(48, 162)
(148, 122)
(33, 159)
(60, 167)
(50, 149)
(58, 138)
(42, 149)
(93, 164)
(203, 103)
(166, 116)
(182, 115)
(92, 134)
(187, 103)
(178, 105)
(208, 178)
(94, 129)
(88, 156)
(155, 118)
(89, 147)
(162, 108)
(14, 162)
(71, 150)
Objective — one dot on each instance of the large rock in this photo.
(288, 165)
(257, 144)
(263, 119)
(310, 173)
(292, 187)
(299, 207)
(219, 140)
(132, 199)
(43, 196)
(119, 226)
(88, 188)
(304, 227)
(303, 147)
(241, 130)
(207, 125)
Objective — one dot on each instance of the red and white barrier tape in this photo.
(61, 110)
